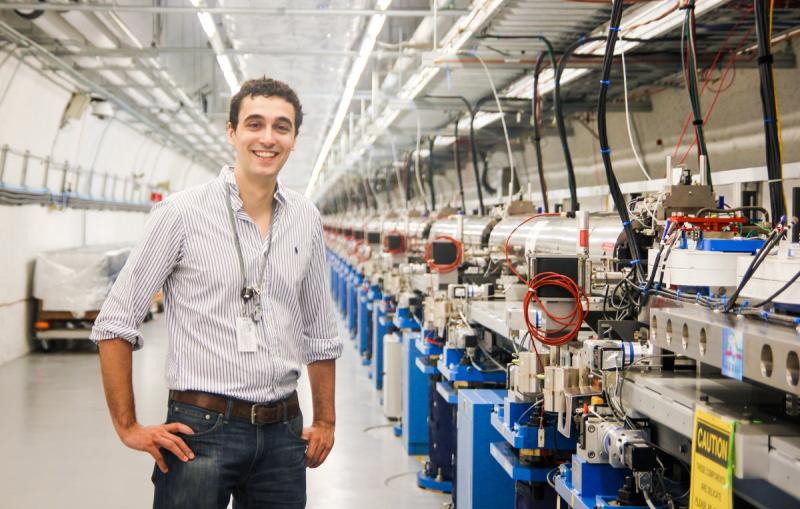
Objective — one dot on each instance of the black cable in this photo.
(430, 172)
(458, 168)
(485, 173)
(559, 112)
(408, 177)
(770, 110)
(779, 291)
(613, 184)
(689, 26)
(537, 133)
(366, 192)
(473, 146)
(387, 188)
(758, 259)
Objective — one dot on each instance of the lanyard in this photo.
(251, 295)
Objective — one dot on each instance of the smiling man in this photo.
(242, 264)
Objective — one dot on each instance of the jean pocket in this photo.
(203, 422)
(294, 428)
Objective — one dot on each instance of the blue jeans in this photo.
(260, 466)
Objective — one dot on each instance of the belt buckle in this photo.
(253, 414)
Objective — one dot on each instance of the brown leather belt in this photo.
(254, 413)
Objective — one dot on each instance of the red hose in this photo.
(505, 245)
(359, 256)
(444, 268)
(570, 324)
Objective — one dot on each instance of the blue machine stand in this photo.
(364, 323)
(451, 367)
(530, 476)
(480, 482)
(443, 401)
(415, 385)
(354, 281)
(437, 474)
(382, 314)
(429, 483)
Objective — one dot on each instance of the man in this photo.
(241, 262)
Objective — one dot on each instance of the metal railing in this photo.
(61, 185)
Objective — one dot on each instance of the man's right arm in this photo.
(116, 359)
(116, 331)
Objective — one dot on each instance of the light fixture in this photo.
(224, 61)
(461, 32)
(374, 28)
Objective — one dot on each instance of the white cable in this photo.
(416, 160)
(397, 171)
(500, 111)
(628, 113)
(647, 499)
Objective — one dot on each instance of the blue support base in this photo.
(451, 367)
(447, 392)
(415, 397)
(731, 245)
(513, 467)
(380, 327)
(397, 429)
(520, 436)
(429, 483)
(592, 485)
(364, 324)
(480, 481)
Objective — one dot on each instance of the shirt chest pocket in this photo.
(290, 264)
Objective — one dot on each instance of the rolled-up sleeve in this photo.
(320, 338)
(145, 272)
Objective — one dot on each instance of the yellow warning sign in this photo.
(712, 461)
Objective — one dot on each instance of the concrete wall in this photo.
(31, 107)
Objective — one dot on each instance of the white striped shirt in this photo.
(188, 250)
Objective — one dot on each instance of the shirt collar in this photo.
(227, 177)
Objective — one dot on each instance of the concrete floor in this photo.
(58, 448)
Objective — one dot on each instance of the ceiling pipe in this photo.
(232, 11)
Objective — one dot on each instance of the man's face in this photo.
(265, 135)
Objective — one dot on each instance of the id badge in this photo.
(246, 334)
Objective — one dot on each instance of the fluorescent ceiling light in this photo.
(456, 37)
(228, 72)
(225, 64)
(374, 28)
(207, 22)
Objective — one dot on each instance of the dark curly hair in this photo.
(266, 87)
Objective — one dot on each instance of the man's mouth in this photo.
(264, 154)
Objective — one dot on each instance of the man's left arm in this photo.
(322, 375)
(321, 347)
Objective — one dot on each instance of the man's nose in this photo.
(266, 136)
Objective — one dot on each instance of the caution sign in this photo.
(712, 461)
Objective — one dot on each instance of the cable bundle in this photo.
(613, 184)
(773, 239)
(769, 103)
(448, 267)
(690, 74)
